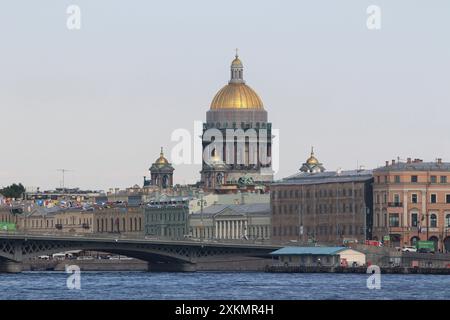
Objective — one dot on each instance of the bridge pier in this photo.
(172, 267)
(9, 266)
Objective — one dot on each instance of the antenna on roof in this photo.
(63, 171)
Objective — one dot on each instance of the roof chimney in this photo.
(393, 162)
(387, 163)
(408, 160)
(439, 160)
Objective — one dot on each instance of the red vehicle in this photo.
(374, 243)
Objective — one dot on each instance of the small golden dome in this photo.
(312, 159)
(161, 159)
(236, 62)
(237, 96)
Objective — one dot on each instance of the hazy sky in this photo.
(102, 100)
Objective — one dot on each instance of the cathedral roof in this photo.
(161, 162)
(236, 94)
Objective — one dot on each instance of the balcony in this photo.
(395, 204)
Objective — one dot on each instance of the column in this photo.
(224, 230)
(216, 230)
(240, 229)
(246, 228)
(227, 229)
(232, 229)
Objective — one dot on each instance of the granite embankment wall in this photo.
(86, 265)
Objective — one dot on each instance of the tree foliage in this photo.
(13, 191)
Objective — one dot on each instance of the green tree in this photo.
(13, 191)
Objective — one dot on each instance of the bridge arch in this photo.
(20, 250)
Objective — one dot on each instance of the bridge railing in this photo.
(122, 236)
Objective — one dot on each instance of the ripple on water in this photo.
(220, 285)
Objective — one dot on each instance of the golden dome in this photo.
(312, 159)
(237, 96)
(236, 62)
(161, 159)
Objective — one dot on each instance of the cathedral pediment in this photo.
(228, 212)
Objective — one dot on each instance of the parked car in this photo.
(85, 258)
(409, 249)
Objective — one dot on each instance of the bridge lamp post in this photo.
(200, 193)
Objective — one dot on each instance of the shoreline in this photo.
(359, 270)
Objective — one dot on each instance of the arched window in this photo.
(433, 221)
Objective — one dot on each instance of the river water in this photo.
(220, 285)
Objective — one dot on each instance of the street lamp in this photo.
(200, 193)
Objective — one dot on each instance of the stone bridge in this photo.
(162, 255)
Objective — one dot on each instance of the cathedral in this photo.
(237, 137)
(161, 173)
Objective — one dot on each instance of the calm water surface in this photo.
(218, 285)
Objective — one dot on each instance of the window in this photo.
(396, 198)
(397, 179)
(443, 179)
(433, 179)
(414, 198)
(447, 198)
(386, 179)
(414, 220)
(394, 220)
(414, 179)
(447, 220)
(433, 221)
(433, 198)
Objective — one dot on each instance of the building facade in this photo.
(98, 220)
(329, 207)
(167, 218)
(412, 202)
(237, 137)
(232, 222)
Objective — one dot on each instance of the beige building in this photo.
(128, 220)
(412, 202)
(232, 222)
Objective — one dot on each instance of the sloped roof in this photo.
(326, 177)
(251, 208)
